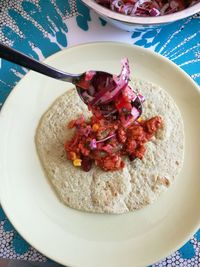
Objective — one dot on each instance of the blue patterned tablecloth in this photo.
(40, 28)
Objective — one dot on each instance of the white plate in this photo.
(86, 240)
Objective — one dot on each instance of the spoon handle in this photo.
(18, 58)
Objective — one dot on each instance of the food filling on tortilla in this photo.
(116, 128)
(104, 143)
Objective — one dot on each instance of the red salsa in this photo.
(105, 143)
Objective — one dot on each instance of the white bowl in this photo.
(129, 23)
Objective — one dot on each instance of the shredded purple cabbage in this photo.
(120, 81)
(94, 142)
(145, 8)
(111, 97)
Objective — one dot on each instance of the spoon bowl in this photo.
(23, 60)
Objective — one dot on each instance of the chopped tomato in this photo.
(128, 94)
(122, 104)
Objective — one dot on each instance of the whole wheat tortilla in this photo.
(138, 184)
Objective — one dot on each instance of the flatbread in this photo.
(138, 184)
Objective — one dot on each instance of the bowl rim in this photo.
(105, 12)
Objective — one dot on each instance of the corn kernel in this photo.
(72, 155)
(95, 127)
(139, 119)
(77, 162)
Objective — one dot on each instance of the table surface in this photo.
(40, 28)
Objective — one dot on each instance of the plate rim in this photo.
(52, 57)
